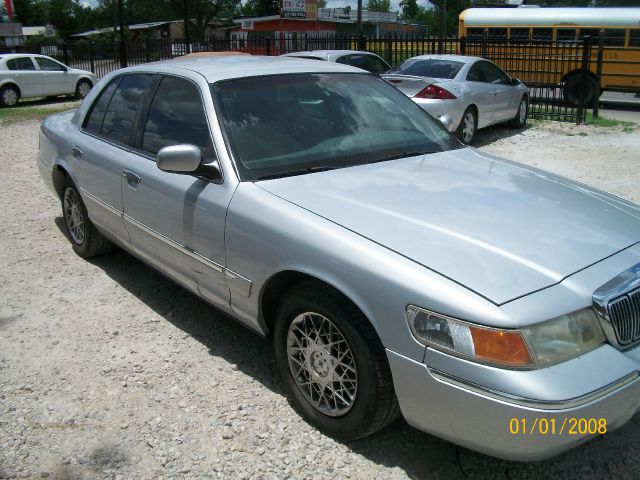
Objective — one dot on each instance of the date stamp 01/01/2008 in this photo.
(552, 426)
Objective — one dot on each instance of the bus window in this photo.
(566, 34)
(542, 34)
(498, 33)
(475, 32)
(614, 37)
(589, 32)
(634, 38)
(520, 34)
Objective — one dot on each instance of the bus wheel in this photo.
(571, 90)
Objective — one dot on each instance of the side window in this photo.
(20, 63)
(93, 123)
(342, 59)
(542, 34)
(357, 61)
(634, 37)
(375, 65)
(475, 73)
(493, 74)
(519, 34)
(49, 65)
(176, 116)
(121, 112)
(565, 34)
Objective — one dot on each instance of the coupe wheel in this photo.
(83, 88)
(520, 120)
(9, 96)
(86, 240)
(468, 126)
(333, 364)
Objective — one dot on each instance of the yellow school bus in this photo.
(526, 27)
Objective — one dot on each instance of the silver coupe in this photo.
(473, 92)
(396, 270)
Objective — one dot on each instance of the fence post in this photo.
(463, 45)
(596, 93)
(361, 42)
(586, 44)
(65, 53)
(267, 42)
(92, 56)
(485, 41)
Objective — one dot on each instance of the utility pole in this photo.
(359, 26)
(442, 17)
(186, 25)
(123, 43)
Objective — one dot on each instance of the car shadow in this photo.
(45, 101)
(399, 446)
(493, 133)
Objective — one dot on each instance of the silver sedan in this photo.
(364, 60)
(395, 269)
(473, 92)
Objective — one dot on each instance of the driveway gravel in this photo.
(110, 371)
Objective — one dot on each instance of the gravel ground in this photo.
(108, 370)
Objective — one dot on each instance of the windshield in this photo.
(293, 124)
(430, 67)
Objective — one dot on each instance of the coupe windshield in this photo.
(292, 124)
(431, 67)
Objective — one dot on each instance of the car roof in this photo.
(453, 58)
(224, 68)
(8, 56)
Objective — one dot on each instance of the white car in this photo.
(364, 60)
(29, 75)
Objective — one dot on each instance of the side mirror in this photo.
(446, 120)
(179, 158)
(515, 82)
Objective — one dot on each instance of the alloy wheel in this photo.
(9, 97)
(469, 127)
(73, 216)
(83, 89)
(522, 113)
(322, 364)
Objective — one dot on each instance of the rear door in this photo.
(102, 153)
(23, 71)
(176, 221)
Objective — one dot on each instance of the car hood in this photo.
(495, 227)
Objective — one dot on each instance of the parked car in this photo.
(364, 60)
(395, 269)
(28, 75)
(474, 92)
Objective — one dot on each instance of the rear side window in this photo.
(375, 65)
(93, 123)
(431, 67)
(176, 116)
(20, 63)
(123, 107)
(634, 38)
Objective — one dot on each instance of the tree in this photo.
(383, 6)
(322, 3)
(261, 8)
(410, 9)
(201, 12)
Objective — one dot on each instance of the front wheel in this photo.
(468, 126)
(520, 120)
(83, 88)
(85, 239)
(333, 364)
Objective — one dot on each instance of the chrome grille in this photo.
(624, 315)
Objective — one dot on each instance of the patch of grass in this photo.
(21, 114)
(607, 122)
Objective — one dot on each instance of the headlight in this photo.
(564, 337)
(535, 346)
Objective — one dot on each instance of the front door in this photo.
(176, 221)
(56, 80)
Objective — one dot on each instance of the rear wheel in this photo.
(571, 90)
(86, 240)
(468, 126)
(333, 364)
(520, 120)
(9, 96)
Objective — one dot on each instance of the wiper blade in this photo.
(409, 153)
(301, 171)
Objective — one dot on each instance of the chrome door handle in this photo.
(133, 179)
(77, 153)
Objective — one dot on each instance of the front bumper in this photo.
(482, 419)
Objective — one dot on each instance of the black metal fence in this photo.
(557, 73)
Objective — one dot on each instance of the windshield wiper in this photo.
(301, 171)
(408, 153)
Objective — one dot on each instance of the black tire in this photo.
(520, 120)
(85, 238)
(374, 404)
(9, 96)
(571, 90)
(468, 126)
(82, 88)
